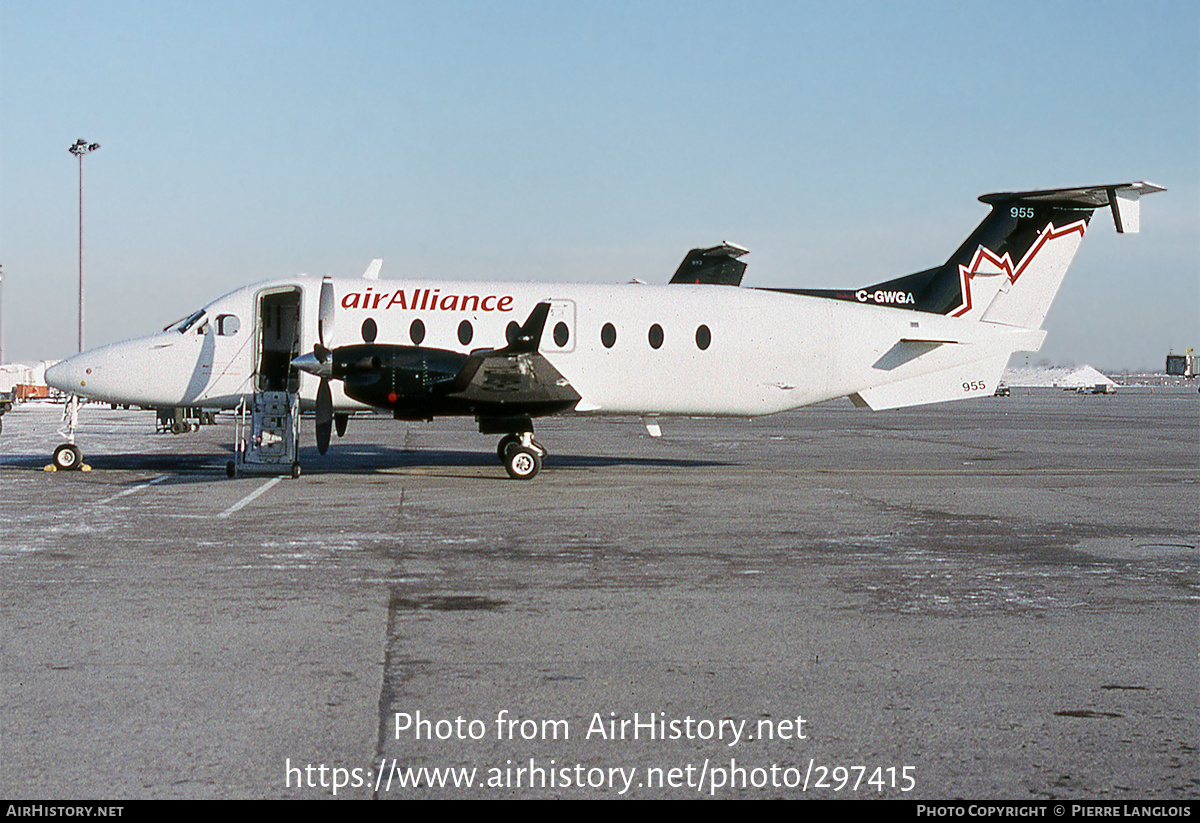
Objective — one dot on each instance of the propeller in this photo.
(320, 362)
(322, 353)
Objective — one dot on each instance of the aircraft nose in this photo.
(82, 374)
(70, 375)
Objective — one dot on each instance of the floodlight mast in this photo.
(80, 148)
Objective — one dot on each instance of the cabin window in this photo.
(703, 337)
(369, 330)
(608, 335)
(416, 332)
(656, 336)
(228, 325)
(561, 334)
(511, 331)
(465, 332)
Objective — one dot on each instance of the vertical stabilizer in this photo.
(1009, 269)
(1004, 276)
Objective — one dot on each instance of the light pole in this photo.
(79, 149)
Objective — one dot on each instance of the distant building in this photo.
(1068, 377)
(24, 380)
(1183, 365)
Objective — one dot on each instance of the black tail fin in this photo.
(1031, 235)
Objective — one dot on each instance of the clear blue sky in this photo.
(842, 143)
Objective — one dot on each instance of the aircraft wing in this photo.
(516, 375)
(516, 379)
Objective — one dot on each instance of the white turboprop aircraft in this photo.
(505, 353)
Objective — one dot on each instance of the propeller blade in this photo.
(529, 335)
(324, 416)
(325, 312)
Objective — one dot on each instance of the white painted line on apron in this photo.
(265, 487)
(145, 485)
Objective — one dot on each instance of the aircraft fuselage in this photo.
(626, 349)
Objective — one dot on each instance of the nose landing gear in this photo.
(68, 456)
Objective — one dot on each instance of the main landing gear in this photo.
(521, 455)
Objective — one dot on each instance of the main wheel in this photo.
(511, 441)
(68, 457)
(522, 463)
(507, 442)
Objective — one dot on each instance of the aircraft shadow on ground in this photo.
(367, 458)
(358, 459)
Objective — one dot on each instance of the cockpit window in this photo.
(186, 323)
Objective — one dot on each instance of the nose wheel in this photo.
(68, 457)
(521, 455)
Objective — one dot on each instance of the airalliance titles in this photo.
(427, 300)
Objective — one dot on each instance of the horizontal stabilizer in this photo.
(978, 379)
(1121, 198)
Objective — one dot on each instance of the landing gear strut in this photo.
(521, 455)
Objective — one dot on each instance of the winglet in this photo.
(529, 336)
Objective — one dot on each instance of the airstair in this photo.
(267, 434)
